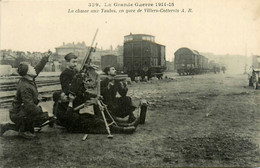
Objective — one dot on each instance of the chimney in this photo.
(63, 43)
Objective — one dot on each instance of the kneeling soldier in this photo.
(25, 112)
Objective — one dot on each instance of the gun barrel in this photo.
(87, 58)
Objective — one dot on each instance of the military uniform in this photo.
(66, 78)
(76, 122)
(25, 112)
(118, 106)
(86, 123)
(73, 120)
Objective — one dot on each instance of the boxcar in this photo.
(204, 64)
(112, 60)
(142, 56)
(189, 62)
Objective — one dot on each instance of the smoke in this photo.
(237, 64)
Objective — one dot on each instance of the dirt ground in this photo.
(203, 120)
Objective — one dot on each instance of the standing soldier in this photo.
(25, 111)
(223, 69)
(215, 69)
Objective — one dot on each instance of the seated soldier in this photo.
(118, 106)
(68, 74)
(25, 112)
(75, 122)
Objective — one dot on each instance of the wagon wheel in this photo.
(145, 68)
(255, 80)
(159, 76)
(132, 77)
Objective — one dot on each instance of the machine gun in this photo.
(86, 78)
(83, 85)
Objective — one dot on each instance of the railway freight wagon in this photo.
(143, 56)
(189, 62)
(203, 64)
(112, 60)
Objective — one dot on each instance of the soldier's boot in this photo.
(143, 114)
(26, 134)
(52, 120)
(122, 130)
(143, 104)
(134, 123)
(131, 118)
(118, 120)
(6, 127)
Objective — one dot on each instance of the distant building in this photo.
(81, 50)
(52, 66)
(13, 58)
(7, 55)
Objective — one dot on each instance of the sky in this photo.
(216, 26)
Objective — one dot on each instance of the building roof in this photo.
(139, 35)
(73, 45)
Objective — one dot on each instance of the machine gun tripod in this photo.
(109, 120)
(103, 108)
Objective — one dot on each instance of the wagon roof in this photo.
(186, 51)
(132, 41)
(139, 35)
(195, 51)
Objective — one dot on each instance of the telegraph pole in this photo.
(245, 72)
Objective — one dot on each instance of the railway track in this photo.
(5, 101)
(9, 86)
(46, 88)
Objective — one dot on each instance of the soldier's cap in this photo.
(23, 68)
(70, 56)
